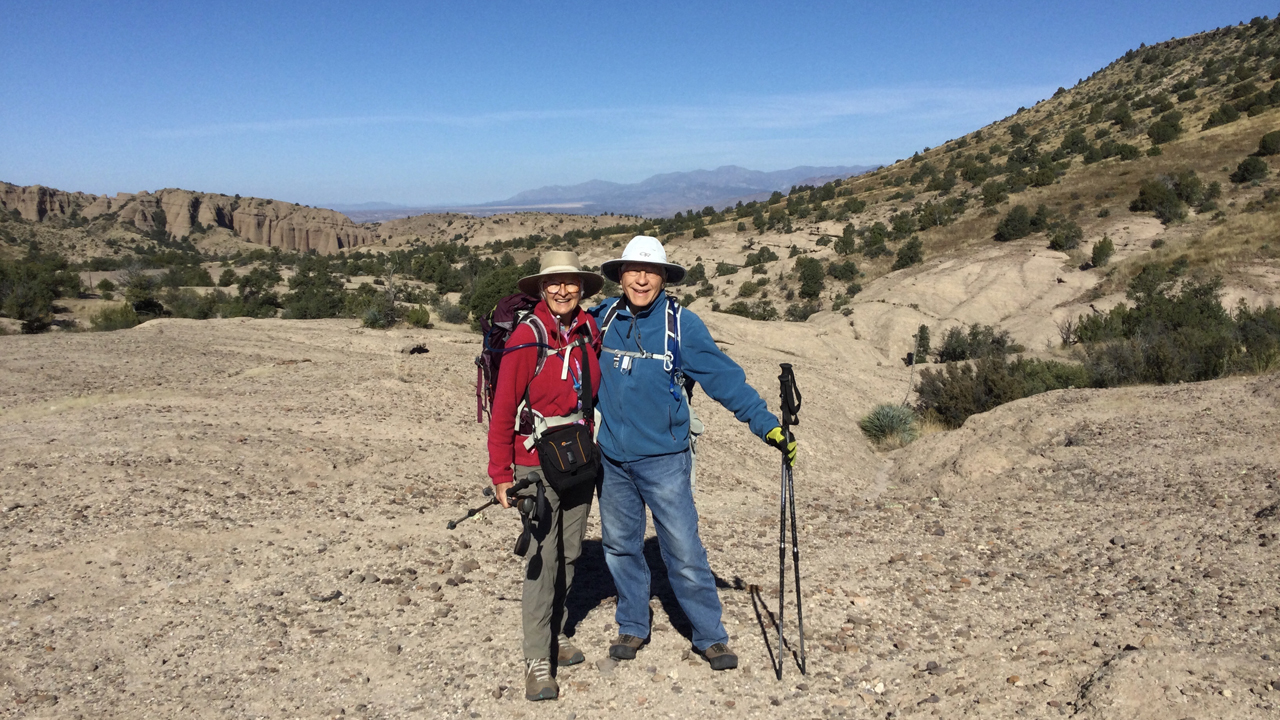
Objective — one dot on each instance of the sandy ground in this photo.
(246, 518)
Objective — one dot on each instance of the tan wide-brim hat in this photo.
(561, 262)
(644, 249)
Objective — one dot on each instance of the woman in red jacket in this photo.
(550, 391)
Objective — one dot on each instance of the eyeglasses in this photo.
(568, 286)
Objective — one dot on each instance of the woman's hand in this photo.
(500, 491)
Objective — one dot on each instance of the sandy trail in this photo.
(247, 519)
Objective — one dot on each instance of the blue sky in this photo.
(432, 103)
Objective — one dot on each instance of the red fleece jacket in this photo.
(548, 394)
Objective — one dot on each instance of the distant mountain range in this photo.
(658, 196)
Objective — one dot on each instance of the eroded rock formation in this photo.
(267, 222)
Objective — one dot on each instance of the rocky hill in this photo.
(185, 213)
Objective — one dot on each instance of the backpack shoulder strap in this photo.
(609, 315)
(539, 336)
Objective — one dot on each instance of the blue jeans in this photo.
(662, 483)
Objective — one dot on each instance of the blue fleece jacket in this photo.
(640, 416)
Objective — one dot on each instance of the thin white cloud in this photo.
(768, 113)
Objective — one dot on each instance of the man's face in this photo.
(641, 283)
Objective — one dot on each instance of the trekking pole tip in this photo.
(451, 525)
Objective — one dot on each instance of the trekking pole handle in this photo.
(791, 398)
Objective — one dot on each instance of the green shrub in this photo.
(903, 224)
(381, 313)
(488, 290)
(313, 291)
(961, 390)
(994, 192)
(418, 317)
(1269, 144)
(759, 310)
(799, 312)
(724, 268)
(1164, 337)
(1158, 197)
(811, 274)
(186, 276)
(760, 257)
(1166, 129)
(29, 285)
(187, 303)
(1223, 115)
(227, 278)
(450, 313)
(1016, 224)
(922, 343)
(911, 253)
(696, 274)
(105, 285)
(1250, 169)
(121, 317)
(1102, 251)
(1065, 236)
(890, 424)
(1259, 333)
(847, 243)
(843, 271)
(977, 341)
(748, 289)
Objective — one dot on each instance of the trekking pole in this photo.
(791, 400)
(493, 500)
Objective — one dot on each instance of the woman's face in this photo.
(561, 293)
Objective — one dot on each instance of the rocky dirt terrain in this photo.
(239, 518)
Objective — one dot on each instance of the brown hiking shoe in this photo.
(720, 657)
(567, 653)
(624, 647)
(538, 683)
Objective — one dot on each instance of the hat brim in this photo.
(612, 269)
(532, 284)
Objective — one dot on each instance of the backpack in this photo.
(496, 329)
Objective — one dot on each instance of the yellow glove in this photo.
(776, 439)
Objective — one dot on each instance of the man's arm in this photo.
(722, 378)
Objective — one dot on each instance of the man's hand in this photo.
(500, 492)
(776, 439)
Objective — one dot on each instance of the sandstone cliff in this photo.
(36, 202)
(267, 222)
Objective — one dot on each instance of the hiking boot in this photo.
(538, 683)
(720, 657)
(624, 647)
(567, 653)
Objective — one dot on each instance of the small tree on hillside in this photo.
(1269, 144)
(911, 253)
(1102, 251)
(811, 280)
(1250, 169)
(1015, 225)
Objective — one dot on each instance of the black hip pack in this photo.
(566, 445)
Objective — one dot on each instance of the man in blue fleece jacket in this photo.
(644, 438)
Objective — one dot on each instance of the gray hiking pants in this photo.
(552, 555)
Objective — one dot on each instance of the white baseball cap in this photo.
(643, 249)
